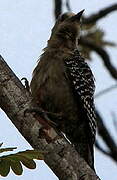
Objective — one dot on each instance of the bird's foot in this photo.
(44, 114)
(26, 83)
(47, 130)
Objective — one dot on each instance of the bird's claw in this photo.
(26, 83)
(44, 114)
(37, 111)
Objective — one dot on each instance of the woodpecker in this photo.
(63, 83)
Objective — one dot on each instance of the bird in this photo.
(63, 83)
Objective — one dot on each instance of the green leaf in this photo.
(7, 149)
(4, 167)
(29, 163)
(16, 160)
(16, 167)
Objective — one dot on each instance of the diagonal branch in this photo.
(104, 56)
(98, 146)
(61, 157)
(101, 14)
(103, 132)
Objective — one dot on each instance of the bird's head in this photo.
(67, 26)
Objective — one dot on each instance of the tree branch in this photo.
(57, 8)
(103, 132)
(68, 5)
(101, 14)
(103, 92)
(98, 146)
(104, 56)
(61, 157)
(114, 121)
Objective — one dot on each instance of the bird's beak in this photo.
(77, 16)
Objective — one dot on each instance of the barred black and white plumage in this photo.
(83, 82)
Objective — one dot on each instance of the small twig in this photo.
(101, 14)
(98, 146)
(101, 52)
(107, 90)
(106, 136)
(68, 5)
(1, 144)
(114, 120)
(58, 8)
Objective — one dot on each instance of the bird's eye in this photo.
(63, 17)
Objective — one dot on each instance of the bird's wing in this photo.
(82, 81)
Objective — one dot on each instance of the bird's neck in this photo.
(62, 44)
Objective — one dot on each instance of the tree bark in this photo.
(60, 156)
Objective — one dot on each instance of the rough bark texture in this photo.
(61, 157)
